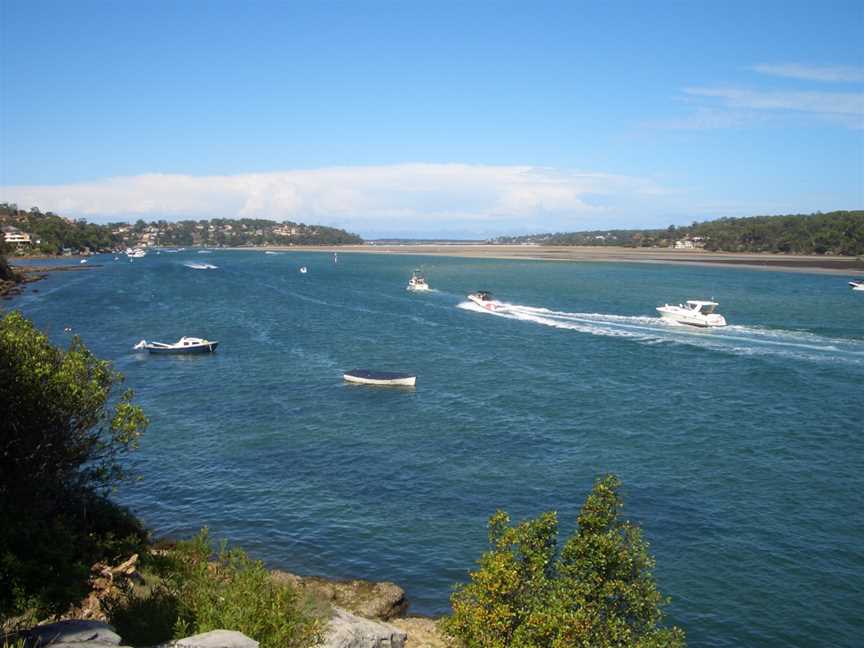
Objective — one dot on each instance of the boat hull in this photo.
(691, 320)
(379, 378)
(490, 305)
(210, 347)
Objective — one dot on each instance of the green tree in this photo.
(60, 448)
(597, 592)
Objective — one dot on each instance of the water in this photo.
(740, 449)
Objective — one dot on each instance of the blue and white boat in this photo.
(183, 345)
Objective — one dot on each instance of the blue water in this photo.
(740, 450)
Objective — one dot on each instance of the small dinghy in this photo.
(369, 377)
(183, 345)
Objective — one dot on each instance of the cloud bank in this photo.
(396, 198)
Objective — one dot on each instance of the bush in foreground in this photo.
(200, 590)
(597, 592)
(60, 446)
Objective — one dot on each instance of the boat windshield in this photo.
(707, 309)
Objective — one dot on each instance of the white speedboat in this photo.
(183, 345)
(693, 313)
(369, 377)
(303, 270)
(857, 285)
(137, 253)
(484, 299)
(417, 282)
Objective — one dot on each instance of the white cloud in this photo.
(826, 103)
(842, 73)
(402, 197)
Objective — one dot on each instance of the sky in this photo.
(433, 119)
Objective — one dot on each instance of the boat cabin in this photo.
(703, 307)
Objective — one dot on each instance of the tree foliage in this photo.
(837, 233)
(598, 591)
(60, 448)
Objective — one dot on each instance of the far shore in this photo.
(759, 261)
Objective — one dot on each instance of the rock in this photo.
(74, 631)
(214, 639)
(369, 599)
(346, 630)
(422, 633)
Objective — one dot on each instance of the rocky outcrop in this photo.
(77, 633)
(214, 639)
(347, 630)
(422, 633)
(365, 598)
(106, 582)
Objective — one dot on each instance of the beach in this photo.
(763, 261)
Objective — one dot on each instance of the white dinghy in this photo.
(370, 377)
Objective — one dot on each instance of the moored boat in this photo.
(183, 345)
(484, 299)
(383, 378)
(693, 313)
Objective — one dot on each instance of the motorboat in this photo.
(384, 378)
(303, 270)
(693, 313)
(183, 345)
(857, 285)
(484, 299)
(83, 261)
(417, 282)
(136, 253)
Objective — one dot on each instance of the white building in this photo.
(14, 236)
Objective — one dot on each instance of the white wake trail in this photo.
(741, 340)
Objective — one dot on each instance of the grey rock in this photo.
(346, 630)
(214, 639)
(73, 631)
(370, 599)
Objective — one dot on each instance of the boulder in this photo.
(422, 633)
(367, 598)
(214, 639)
(346, 630)
(73, 631)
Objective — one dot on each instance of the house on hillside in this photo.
(14, 236)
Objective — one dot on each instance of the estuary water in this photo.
(740, 450)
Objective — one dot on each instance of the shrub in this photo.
(597, 592)
(200, 592)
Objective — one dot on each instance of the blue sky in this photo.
(433, 119)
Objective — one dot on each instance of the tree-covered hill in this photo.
(836, 233)
(51, 234)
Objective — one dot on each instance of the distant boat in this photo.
(136, 253)
(693, 313)
(857, 285)
(335, 257)
(183, 345)
(484, 299)
(303, 270)
(83, 261)
(383, 378)
(417, 282)
(201, 266)
(204, 251)
(271, 252)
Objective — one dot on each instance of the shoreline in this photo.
(749, 260)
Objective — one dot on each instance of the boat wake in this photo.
(740, 340)
(201, 266)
